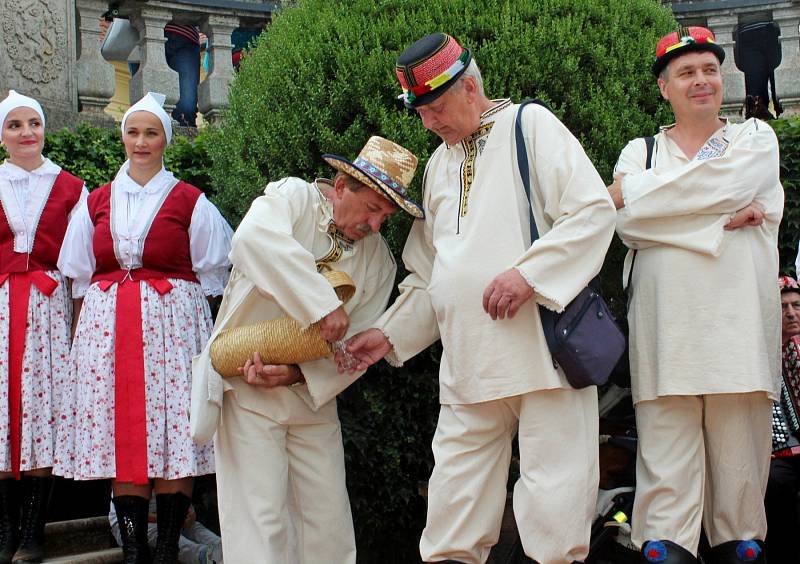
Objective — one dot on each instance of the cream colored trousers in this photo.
(281, 486)
(702, 460)
(554, 498)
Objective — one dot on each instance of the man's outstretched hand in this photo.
(333, 326)
(365, 349)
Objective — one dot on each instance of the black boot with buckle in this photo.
(734, 552)
(171, 510)
(666, 552)
(9, 519)
(132, 518)
(35, 501)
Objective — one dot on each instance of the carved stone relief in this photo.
(34, 37)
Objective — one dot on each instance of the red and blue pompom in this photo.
(655, 551)
(748, 551)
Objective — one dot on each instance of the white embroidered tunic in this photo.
(476, 227)
(705, 309)
(284, 235)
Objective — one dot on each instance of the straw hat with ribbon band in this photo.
(429, 67)
(278, 341)
(685, 40)
(384, 166)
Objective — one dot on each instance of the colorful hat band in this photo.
(380, 175)
(414, 92)
(688, 40)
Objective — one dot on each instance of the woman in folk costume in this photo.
(144, 252)
(37, 199)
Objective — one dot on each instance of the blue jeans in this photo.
(183, 56)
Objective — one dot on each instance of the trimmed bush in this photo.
(321, 80)
(788, 131)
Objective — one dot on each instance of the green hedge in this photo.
(788, 131)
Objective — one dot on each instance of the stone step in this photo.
(78, 537)
(105, 556)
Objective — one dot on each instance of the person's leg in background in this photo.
(183, 56)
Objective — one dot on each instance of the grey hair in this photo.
(474, 72)
(350, 182)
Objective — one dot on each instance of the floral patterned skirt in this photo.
(44, 373)
(175, 327)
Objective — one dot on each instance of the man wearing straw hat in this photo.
(279, 453)
(702, 225)
(476, 282)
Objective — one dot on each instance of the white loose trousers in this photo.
(281, 485)
(554, 498)
(702, 459)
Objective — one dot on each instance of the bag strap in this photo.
(522, 162)
(547, 316)
(650, 143)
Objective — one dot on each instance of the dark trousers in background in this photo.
(783, 526)
(183, 56)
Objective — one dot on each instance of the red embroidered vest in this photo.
(64, 195)
(166, 247)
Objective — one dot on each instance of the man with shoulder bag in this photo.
(476, 282)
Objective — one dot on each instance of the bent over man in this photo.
(475, 282)
(704, 314)
(280, 460)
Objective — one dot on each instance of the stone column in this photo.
(154, 75)
(213, 94)
(787, 75)
(733, 79)
(95, 76)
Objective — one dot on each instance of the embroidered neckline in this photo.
(339, 241)
(500, 105)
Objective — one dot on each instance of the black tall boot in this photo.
(171, 510)
(35, 501)
(9, 519)
(666, 552)
(734, 552)
(132, 518)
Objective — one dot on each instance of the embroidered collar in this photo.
(724, 129)
(487, 119)
(325, 222)
(161, 181)
(498, 106)
(10, 171)
(340, 243)
(718, 141)
(325, 205)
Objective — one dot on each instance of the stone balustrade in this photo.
(216, 18)
(722, 17)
